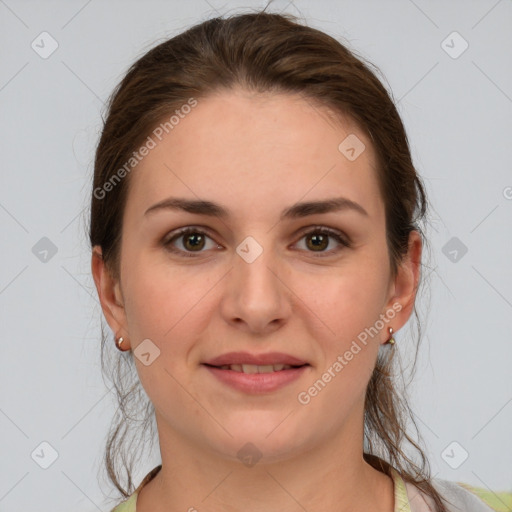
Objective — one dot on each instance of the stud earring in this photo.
(119, 342)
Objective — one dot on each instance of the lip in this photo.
(257, 359)
(257, 383)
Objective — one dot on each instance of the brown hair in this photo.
(261, 52)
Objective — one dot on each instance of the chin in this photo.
(262, 443)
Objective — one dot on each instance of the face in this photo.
(266, 276)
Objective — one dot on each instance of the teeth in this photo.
(253, 368)
(250, 368)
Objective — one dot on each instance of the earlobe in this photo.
(109, 293)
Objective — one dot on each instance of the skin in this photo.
(256, 155)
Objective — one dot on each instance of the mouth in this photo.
(256, 373)
(253, 368)
(256, 379)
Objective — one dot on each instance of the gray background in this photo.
(457, 109)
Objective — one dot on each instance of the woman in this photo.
(256, 245)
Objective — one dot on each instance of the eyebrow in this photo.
(297, 210)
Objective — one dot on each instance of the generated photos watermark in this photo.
(304, 397)
(151, 142)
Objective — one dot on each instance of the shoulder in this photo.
(472, 496)
(460, 497)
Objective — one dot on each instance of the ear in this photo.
(110, 295)
(404, 286)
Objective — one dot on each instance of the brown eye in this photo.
(318, 239)
(193, 240)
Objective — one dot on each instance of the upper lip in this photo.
(269, 358)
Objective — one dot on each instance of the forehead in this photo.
(241, 148)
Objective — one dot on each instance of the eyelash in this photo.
(316, 230)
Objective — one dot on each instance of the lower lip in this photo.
(257, 382)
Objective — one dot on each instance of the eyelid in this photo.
(324, 229)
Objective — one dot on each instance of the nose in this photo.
(256, 297)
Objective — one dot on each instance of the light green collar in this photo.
(401, 500)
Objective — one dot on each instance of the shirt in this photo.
(461, 497)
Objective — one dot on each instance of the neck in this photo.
(331, 476)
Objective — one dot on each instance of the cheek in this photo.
(345, 307)
(341, 313)
(164, 303)
(147, 301)
(349, 298)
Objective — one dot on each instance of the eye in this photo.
(193, 241)
(318, 239)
